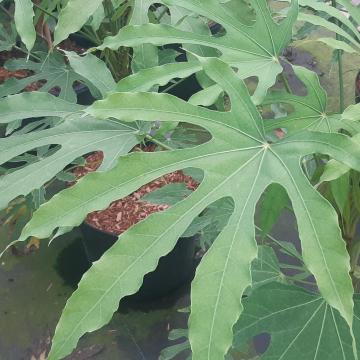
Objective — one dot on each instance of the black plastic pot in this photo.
(173, 271)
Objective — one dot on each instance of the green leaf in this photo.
(73, 16)
(23, 17)
(352, 113)
(34, 104)
(254, 49)
(97, 18)
(237, 162)
(319, 21)
(336, 44)
(7, 37)
(307, 112)
(335, 169)
(274, 201)
(92, 69)
(265, 268)
(144, 55)
(169, 194)
(333, 13)
(301, 325)
(144, 80)
(77, 136)
(52, 71)
(344, 26)
(340, 188)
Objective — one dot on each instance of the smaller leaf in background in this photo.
(51, 74)
(38, 197)
(146, 79)
(92, 69)
(273, 203)
(97, 18)
(351, 113)
(265, 268)
(73, 16)
(305, 112)
(169, 194)
(173, 351)
(7, 37)
(335, 169)
(298, 322)
(24, 14)
(13, 126)
(340, 190)
(210, 223)
(145, 55)
(66, 176)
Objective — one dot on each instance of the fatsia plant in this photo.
(237, 162)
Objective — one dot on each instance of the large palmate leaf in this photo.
(237, 162)
(298, 322)
(52, 73)
(76, 136)
(254, 49)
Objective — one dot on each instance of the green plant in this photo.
(239, 161)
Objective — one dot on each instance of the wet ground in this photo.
(34, 289)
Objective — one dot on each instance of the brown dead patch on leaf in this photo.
(123, 213)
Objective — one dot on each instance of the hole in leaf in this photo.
(155, 196)
(30, 157)
(278, 9)
(209, 224)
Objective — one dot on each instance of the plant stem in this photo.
(162, 14)
(27, 53)
(279, 244)
(341, 80)
(173, 85)
(286, 83)
(6, 11)
(340, 67)
(45, 11)
(149, 137)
